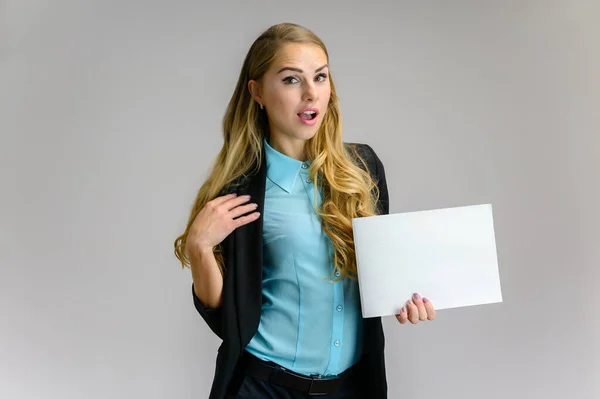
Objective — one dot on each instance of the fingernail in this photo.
(247, 196)
(403, 310)
(425, 300)
(416, 296)
(234, 194)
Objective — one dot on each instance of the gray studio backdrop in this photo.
(110, 116)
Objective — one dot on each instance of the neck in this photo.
(293, 148)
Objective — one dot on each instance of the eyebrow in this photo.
(299, 70)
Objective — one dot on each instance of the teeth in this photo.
(309, 112)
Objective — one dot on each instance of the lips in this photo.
(308, 114)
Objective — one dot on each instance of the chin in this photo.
(307, 134)
(301, 132)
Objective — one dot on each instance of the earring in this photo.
(261, 106)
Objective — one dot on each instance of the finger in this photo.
(245, 219)
(420, 306)
(413, 312)
(234, 202)
(402, 316)
(241, 210)
(222, 199)
(430, 309)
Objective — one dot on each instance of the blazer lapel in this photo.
(248, 259)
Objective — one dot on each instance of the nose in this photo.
(310, 93)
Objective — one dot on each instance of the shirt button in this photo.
(336, 343)
(337, 273)
(339, 308)
(308, 179)
(304, 166)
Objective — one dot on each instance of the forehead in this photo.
(302, 55)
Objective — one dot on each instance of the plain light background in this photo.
(110, 116)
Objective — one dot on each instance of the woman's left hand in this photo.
(416, 309)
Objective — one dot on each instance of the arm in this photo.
(372, 363)
(207, 289)
(208, 281)
(216, 220)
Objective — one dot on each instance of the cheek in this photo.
(325, 94)
(285, 102)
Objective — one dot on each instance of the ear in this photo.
(255, 91)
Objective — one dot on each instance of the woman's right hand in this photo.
(217, 219)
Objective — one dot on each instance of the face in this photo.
(295, 92)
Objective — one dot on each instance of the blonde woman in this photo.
(269, 239)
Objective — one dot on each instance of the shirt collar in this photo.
(281, 169)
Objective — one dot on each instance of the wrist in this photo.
(199, 252)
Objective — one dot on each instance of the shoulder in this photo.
(368, 154)
(375, 169)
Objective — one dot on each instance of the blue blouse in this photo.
(309, 324)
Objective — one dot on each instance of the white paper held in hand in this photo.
(447, 255)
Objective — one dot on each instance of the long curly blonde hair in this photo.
(348, 189)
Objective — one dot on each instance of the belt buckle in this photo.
(312, 390)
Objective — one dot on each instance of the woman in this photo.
(274, 274)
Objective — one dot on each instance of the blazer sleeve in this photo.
(372, 364)
(212, 316)
(384, 201)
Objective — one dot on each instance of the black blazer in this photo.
(237, 319)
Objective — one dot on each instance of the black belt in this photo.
(278, 375)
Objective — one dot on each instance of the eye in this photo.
(289, 79)
(322, 75)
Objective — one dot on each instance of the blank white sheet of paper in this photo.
(446, 255)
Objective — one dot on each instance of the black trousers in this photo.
(247, 387)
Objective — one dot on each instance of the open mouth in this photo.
(308, 115)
